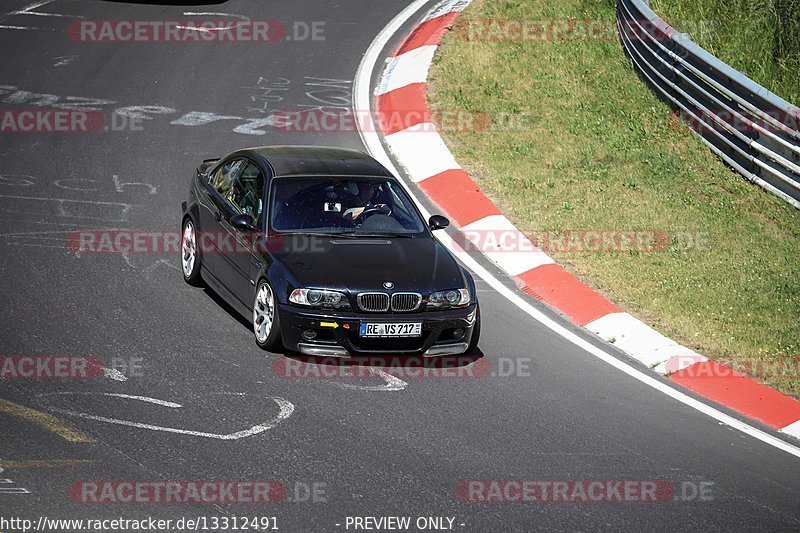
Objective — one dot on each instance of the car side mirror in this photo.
(242, 222)
(438, 222)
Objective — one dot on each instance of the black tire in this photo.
(191, 275)
(476, 332)
(272, 341)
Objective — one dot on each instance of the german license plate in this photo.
(378, 329)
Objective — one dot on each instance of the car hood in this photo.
(419, 264)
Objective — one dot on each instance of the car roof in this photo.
(287, 161)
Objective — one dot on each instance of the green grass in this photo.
(758, 37)
(597, 150)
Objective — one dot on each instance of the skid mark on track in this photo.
(29, 11)
(44, 420)
(52, 463)
(67, 208)
(56, 239)
(213, 14)
(31, 245)
(63, 60)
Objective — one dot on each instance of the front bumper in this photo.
(337, 332)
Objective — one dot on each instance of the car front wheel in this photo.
(266, 323)
(190, 260)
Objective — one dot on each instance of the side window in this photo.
(247, 193)
(226, 175)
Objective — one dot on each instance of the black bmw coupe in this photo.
(326, 254)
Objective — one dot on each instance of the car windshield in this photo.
(343, 205)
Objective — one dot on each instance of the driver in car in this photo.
(364, 201)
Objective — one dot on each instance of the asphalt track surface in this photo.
(376, 447)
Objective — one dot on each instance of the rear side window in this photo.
(247, 193)
(224, 178)
(241, 183)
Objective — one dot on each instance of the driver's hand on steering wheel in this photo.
(353, 213)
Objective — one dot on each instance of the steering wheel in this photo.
(380, 208)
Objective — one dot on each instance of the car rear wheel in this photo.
(190, 260)
(266, 323)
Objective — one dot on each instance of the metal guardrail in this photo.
(753, 130)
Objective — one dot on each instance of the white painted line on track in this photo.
(144, 399)
(792, 429)
(286, 408)
(147, 399)
(362, 100)
(114, 374)
(393, 383)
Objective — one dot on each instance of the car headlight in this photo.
(451, 298)
(322, 298)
